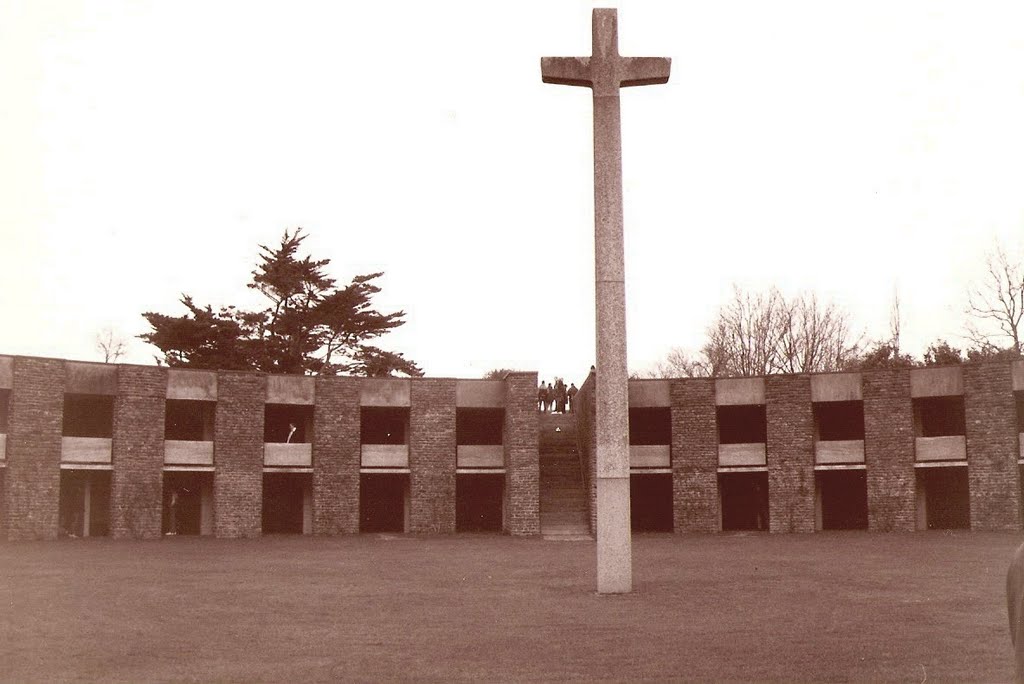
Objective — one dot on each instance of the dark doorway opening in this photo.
(650, 502)
(285, 497)
(844, 499)
(382, 502)
(946, 498)
(183, 501)
(744, 498)
(84, 503)
(478, 499)
(650, 425)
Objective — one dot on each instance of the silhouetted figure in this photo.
(570, 394)
(542, 397)
(559, 395)
(551, 397)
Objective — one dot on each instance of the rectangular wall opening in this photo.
(479, 426)
(187, 502)
(478, 501)
(88, 415)
(287, 501)
(943, 499)
(744, 500)
(746, 424)
(650, 502)
(939, 417)
(650, 425)
(382, 502)
(1019, 398)
(84, 508)
(5, 404)
(190, 421)
(836, 421)
(383, 425)
(288, 423)
(842, 499)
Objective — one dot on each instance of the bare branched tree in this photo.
(111, 344)
(764, 333)
(995, 305)
(895, 322)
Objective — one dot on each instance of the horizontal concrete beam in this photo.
(291, 389)
(947, 381)
(385, 456)
(3, 446)
(192, 385)
(278, 454)
(6, 372)
(739, 391)
(650, 456)
(839, 451)
(650, 393)
(479, 456)
(85, 449)
(836, 387)
(480, 393)
(742, 454)
(1017, 370)
(183, 452)
(384, 392)
(89, 378)
(950, 448)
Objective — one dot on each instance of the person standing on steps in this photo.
(542, 397)
(570, 394)
(559, 395)
(551, 398)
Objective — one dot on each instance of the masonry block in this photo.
(695, 502)
(522, 455)
(432, 451)
(136, 485)
(992, 446)
(585, 411)
(889, 450)
(238, 454)
(790, 453)
(336, 456)
(32, 480)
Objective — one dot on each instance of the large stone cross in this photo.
(605, 72)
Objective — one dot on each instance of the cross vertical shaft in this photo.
(604, 72)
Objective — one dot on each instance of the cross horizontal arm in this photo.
(637, 71)
(573, 71)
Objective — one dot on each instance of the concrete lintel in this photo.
(480, 393)
(479, 456)
(479, 471)
(187, 452)
(753, 454)
(86, 466)
(85, 449)
(6, 372)
(1017, 371)
(81, 377)
(384, 471)
(941, 464)
(650, 456)
(742, 469)
(287, 469)
(291, 389)
(946, 381)
(950, 448)
(650, 393)
(836, 387)
(384, 392)
(839, 451)
(841, 466)
(739, 391)
(192, 385)
(188, 468)
(650, 471)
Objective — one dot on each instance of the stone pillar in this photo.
(992, 446)
(32, 480)
(790, 453)
(522, 455)
(889, 451)
(136, 484)
(695, 501)
(238, 454)
(336, 456)
(432, 452)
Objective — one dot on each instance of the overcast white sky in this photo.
(147, 147)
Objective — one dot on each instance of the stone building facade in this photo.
(140, 451)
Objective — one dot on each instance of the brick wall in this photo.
(889, 450)
(336, 456)
(432, 455)
(136, 484)
(32, 480)
(585, 411)
(238, 454)
(522, 457)
(695, 502)
(790, 452)
(992, 446)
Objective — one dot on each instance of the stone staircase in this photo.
(563, 502)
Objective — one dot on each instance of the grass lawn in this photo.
(824, 607)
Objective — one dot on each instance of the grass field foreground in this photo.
(824, 607)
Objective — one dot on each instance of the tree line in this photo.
(762, 333)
